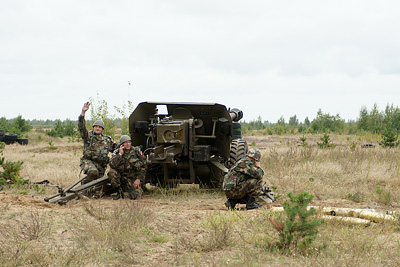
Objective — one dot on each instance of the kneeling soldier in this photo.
(127, 169)
(243, 182)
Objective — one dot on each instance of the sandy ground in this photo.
(173, 216)
(179, 219)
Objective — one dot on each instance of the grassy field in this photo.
(191, 227)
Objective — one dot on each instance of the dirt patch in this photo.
(177, 219)
(22, 202)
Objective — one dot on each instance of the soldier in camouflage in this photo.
(127, 169)
(243, 182)
(95, 149)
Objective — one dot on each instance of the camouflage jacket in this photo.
(131, 165)
(243, 170)
(95, 147)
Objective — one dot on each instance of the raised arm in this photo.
(81, 121)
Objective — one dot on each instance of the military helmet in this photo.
(99, 123)
(124, 138)
(254, 153)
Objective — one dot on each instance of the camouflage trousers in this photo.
(92, 169)
(118, 180)
(248, 188)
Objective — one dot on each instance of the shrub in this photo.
(303, 141)
(17, 125)
(389, 137)
(220, 232)
(384, 197)
(99, 111)
(11, 170)
(51, 145)
(20, 125)
(326, 142)
(299, 230)
(61, 129)
(34, 227)
(125, 116)
(326, 122)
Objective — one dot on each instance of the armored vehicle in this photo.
(187, 142)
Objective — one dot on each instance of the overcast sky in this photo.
(268, 58)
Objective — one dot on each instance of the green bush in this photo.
(303, 141)
(61, 129)
(384, 197)
(326, 142)
(99, 111)
(327, 123)
(51, 145)
(124, 123)
(17, 125)
(298, 230)
(11, 170)
(389, 137)
(254, 125)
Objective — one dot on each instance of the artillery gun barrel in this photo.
(236, 114)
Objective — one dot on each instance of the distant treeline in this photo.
(54, 128)
(17, 125)
(369, 121)
(372, 121)
(68, 127)
(53, 123)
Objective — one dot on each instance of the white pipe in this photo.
(365, 214)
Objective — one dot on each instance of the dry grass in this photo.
(191, 227)
(59, 165)
(335, 173)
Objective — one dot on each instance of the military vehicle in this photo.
(192, 143)
(187, 142)
(9, 139)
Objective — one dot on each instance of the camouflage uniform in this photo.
(125, 169)
(243, 180)
(95, 151)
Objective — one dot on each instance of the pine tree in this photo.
(389, 136)
(299, 229)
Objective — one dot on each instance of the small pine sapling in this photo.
(299, 229)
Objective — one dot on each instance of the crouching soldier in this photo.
(127, 169)
(243, 183)
(96, 147)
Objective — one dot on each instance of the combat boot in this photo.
(120, 194)
(252, 204)
(231, 203)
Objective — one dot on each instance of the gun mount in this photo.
(188, 142)
(93, 189)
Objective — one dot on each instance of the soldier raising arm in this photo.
(96, 147)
